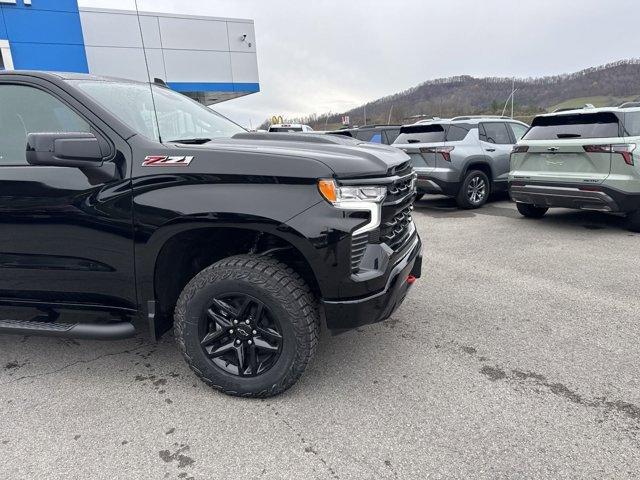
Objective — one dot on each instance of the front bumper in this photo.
(591, 197)
(343, 315)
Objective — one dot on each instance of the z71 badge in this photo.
(160, 161)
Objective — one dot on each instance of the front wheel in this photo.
(247, 326)
(633, 221)
(531, 211)
(474, 191)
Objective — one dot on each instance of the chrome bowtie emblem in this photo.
(553, 149)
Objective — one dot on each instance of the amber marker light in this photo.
(328, 190)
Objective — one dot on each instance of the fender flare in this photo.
(147, 262)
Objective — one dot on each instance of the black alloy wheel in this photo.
(240, 335)
(247, 325)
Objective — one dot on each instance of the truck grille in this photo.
(358, 247)
(396, 227)
(399, 189)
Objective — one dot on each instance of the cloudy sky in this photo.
(332, 55)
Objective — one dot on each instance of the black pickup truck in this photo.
(126, 206)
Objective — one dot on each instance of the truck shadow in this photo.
(27, 362)
(353, 360)
(561, 219)
(437, 206)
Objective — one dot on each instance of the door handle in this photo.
(490, 149)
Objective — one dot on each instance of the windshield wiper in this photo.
(191, 141)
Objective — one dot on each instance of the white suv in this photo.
(290, 128)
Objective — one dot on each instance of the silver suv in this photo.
(465, 157)
(585, 158)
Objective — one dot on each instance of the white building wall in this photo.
(184, 49)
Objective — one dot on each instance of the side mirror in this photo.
(64, 150)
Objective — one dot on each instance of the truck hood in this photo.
(346, 157)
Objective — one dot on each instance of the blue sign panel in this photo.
(44, 35)
(3, 30)
(214, 87)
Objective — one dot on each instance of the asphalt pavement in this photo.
(515, 356)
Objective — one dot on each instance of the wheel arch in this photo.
(482, 165)
(180, 251)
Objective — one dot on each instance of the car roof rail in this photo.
(472, 117)
(586, 106)
(630, 105)
(378, 125)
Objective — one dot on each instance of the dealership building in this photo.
(209, 58)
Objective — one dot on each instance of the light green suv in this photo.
(587, 159)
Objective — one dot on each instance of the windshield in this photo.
(421, 134)
(178, 117)
(584, 125)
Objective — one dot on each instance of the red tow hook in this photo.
(411, 279)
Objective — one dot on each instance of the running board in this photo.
(88, 331)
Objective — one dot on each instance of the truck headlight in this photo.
(340, 195)
(360, 198)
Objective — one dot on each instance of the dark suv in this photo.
(385, 134)
(466, 157)
(135, 204)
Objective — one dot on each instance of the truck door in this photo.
(65, 233)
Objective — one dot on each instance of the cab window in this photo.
(392, 134)
(518, 130)
(632, 124)
(495, 132)
(457, 133)
(372, 136)
(26, 110)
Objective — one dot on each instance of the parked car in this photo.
(585, 158)
(290, 128)
(385, 134)
(240, 241)
(466, 158)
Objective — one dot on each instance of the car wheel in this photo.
(531, 211)
(474, 191)
(247, 326)
(633, 221)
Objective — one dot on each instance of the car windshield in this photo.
(177, 118)
(421, 134)
(583, 125)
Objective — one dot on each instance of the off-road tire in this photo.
(633, 221)
(462, 198)
(531, 211)
(277, 286)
